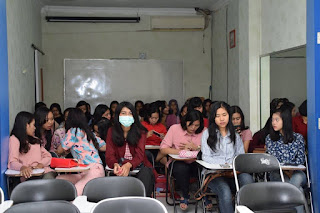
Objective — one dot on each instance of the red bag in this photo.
(65, 163)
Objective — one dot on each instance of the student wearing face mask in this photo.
(126, 146)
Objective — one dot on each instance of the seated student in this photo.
(184, 136)
(183, 112)
(84, 147)
(138, 105)
(100, 129)
(259, 138)
(57, 114)
(219, 145)
(84, 108)
(287, 146)
(300, 122)
(196, 103)
(101, 111)
(172, 118)
(113, 106)
(59, 134)
(238, 123)
(25, 150)
(152, 123)
(38, 105)
(206, 108)
(164, 111)
(126, 146)
(45, 127)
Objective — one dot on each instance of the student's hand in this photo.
(182, 145)
(39, 166)
(191, 146)
(126, 169)
(149, 134)
(117, 169)
(26, 171)
(162, 136)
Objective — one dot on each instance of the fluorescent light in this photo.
(93, 19)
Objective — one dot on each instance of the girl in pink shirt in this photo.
(238, 123)
(184, 136)
(25, 150)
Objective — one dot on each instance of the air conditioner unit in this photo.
(177, 23)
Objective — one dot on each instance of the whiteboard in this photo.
(100, 81)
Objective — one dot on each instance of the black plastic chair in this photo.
(110, 187)
(44, 207)
(271, 197)
(130, 205)
(43, 190)
(255, 163)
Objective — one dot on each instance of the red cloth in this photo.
(299, 127)
(206, 122)
(114, 152)
(154, 140)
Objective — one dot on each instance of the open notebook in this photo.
(15, 172)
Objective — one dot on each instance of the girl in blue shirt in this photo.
(219, 145)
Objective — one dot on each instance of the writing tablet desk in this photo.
(15, 174)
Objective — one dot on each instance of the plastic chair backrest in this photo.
(43, 190)
(109, 187)
(255, 163)
(44, 206)
(270, 196)
(130, 205)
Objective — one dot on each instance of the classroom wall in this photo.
(107, 41)
(24, 28)
(262, 27)
(292, 71)
(283, 25)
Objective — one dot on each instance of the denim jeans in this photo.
(298, 179)
(223, 188)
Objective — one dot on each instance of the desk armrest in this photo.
(6, 205)
(243, 209)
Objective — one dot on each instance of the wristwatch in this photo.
(199, 148)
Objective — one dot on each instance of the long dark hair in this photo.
(176, 102)
(103, 125)
(20, 131)
(41, 117)
(286, 117)
(135, 131)
(192, 116)
(152, 109)
(213, 127)
(77, 119)
(99, 111)
(237, 109)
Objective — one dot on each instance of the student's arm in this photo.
(239, 146)
(207, 154)
(167, 143)
(102, 144)
(13, 161)
(68, 141)
(45, 158)
(299, 158)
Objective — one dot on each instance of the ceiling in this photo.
(203, 4)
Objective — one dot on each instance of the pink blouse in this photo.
(36, 154)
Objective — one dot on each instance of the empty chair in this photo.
(271, 197)
(130, 205)
(44, 207)
(109, 187)
(43, 190)
(255, 163)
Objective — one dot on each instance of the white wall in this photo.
(283, 25)
(23, 28)
(288, 79)
(107, 41)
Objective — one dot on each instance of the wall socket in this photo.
(142, 55)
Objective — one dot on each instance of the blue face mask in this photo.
(126, 120)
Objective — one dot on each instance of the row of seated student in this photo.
(123, 138)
